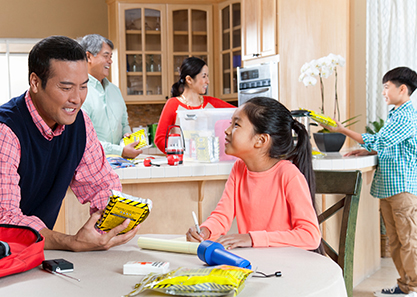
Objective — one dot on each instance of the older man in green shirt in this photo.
(104, 103)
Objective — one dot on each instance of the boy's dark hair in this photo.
(189, 67)
(402, 76)
(59, 48)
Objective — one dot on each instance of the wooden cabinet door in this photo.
(250, 29)
(268, 28)
(189, 34)
(230, 49)
(144, 77)
(259, 28)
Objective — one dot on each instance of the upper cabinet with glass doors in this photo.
(139, 34)
(143, 61)
(230, 48)
(151, 41)
(190, 34)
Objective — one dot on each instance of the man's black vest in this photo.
(46, 166)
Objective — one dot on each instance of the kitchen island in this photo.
(176, 191)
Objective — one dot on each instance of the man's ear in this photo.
(89, 55)
(262, 140)
(35, 82)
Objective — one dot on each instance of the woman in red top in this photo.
(187, 93)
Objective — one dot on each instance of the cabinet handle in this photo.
(256, 55)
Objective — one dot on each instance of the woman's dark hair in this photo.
(59, 48)
(189, 67)
(268, 116)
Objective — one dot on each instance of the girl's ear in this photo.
(263, 140)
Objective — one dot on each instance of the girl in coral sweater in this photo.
(270, 189)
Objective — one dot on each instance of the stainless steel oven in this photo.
(257, 80)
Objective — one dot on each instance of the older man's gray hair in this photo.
(93, 43)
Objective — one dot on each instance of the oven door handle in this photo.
(255, 91)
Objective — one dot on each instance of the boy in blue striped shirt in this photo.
(395, 179)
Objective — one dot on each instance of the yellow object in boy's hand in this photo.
(321, 119)
(140, 136)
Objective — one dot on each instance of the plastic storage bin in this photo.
(203, 131)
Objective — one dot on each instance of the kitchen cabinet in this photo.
(229, 47)
(190, 34)
(259, 30)
(151, 41)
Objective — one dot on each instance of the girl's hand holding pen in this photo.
(192, 234)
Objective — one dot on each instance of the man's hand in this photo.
(235, 240)
(130, 152)
(88, 238)
(192, 234)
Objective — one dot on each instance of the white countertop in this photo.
(331, 161)
(336, 161)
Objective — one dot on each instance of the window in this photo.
(14, 67)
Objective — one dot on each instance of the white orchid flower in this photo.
(305, 67)
(312, 71)
(326, 71)
(333, 58)
(309, 80)
(341, 61)
(323, 67)
(325, 62)
(315, 64)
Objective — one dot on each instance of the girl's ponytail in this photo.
(301, 156)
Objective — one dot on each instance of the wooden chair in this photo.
(348, 183)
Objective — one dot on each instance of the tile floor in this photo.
(385, 277)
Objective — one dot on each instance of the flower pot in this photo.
(329, 142)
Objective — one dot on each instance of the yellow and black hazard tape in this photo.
(121, 207)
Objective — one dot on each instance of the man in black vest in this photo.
(48, 144)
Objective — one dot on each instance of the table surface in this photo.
(303, 273)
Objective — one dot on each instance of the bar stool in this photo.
(348, 183)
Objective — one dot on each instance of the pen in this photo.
(60, 273)
(196, 223)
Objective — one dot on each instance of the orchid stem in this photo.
(322, 94)
(336, 101)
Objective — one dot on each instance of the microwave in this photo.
(257, 81)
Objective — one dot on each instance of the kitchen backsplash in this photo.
(143, 114)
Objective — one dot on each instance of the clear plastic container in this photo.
(203, 131)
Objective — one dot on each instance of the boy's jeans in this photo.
(400, 217)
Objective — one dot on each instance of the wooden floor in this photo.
(385, 277)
